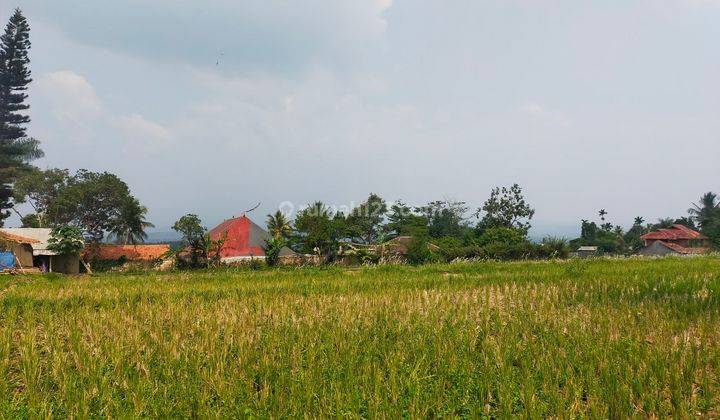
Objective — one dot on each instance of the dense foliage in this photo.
(440, 230)
(99, 203)
(198, 249)
(66, 240)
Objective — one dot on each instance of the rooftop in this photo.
(674, 233)
(682, 249)
(588, 248)
(130, 252)
(39, 237)
(16, 238)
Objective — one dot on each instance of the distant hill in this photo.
(162, 237)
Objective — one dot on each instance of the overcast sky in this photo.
(212, 106)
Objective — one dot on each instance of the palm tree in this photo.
(706, 210)
(130, 225)
(278, 225)
(602, 214)
(639, 221)
(664, 223)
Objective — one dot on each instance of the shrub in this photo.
(501, 235)
(553, 247)
(462, 252)
(419, 252)
(272, 249)
(503, 251)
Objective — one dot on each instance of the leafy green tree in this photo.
(92, 201)
(279, 226)
(31, 221)
(507, 208)
(364, 223)
(402, 220)
(99, 203)
(16, 149)
(445, 218)
(40, 189)
(632, 236)
(319, 230)
(66, 240)
(501, 235)
(194, 235)
(419, 252)
(608, 238)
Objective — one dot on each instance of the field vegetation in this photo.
(596, 338)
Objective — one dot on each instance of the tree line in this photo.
(439, 230)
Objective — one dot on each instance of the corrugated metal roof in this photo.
(588, 248)
(244, 237)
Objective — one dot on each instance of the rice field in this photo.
(601, 338)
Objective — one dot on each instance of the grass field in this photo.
(605, 338)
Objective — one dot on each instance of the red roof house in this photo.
(243, 239)
(677, 239)
(142, 252)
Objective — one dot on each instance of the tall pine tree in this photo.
(16, 149)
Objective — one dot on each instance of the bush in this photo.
(272, 249)
(462, 252)
(501, 235)
(518, 251)
(419, 252)
(553, 247)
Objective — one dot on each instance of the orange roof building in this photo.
(11, 237)
(677, 239)
(142, 252)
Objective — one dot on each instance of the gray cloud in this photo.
(251, 35)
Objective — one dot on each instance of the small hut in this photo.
(586, 252)
(42, 257)
(16, 252)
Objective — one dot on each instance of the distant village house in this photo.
(675, 240)
(42, 258)
(141, 253)
(244, 240)
(16, 252)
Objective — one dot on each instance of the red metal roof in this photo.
(674, 233)
(130, 252)
(244, 238)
